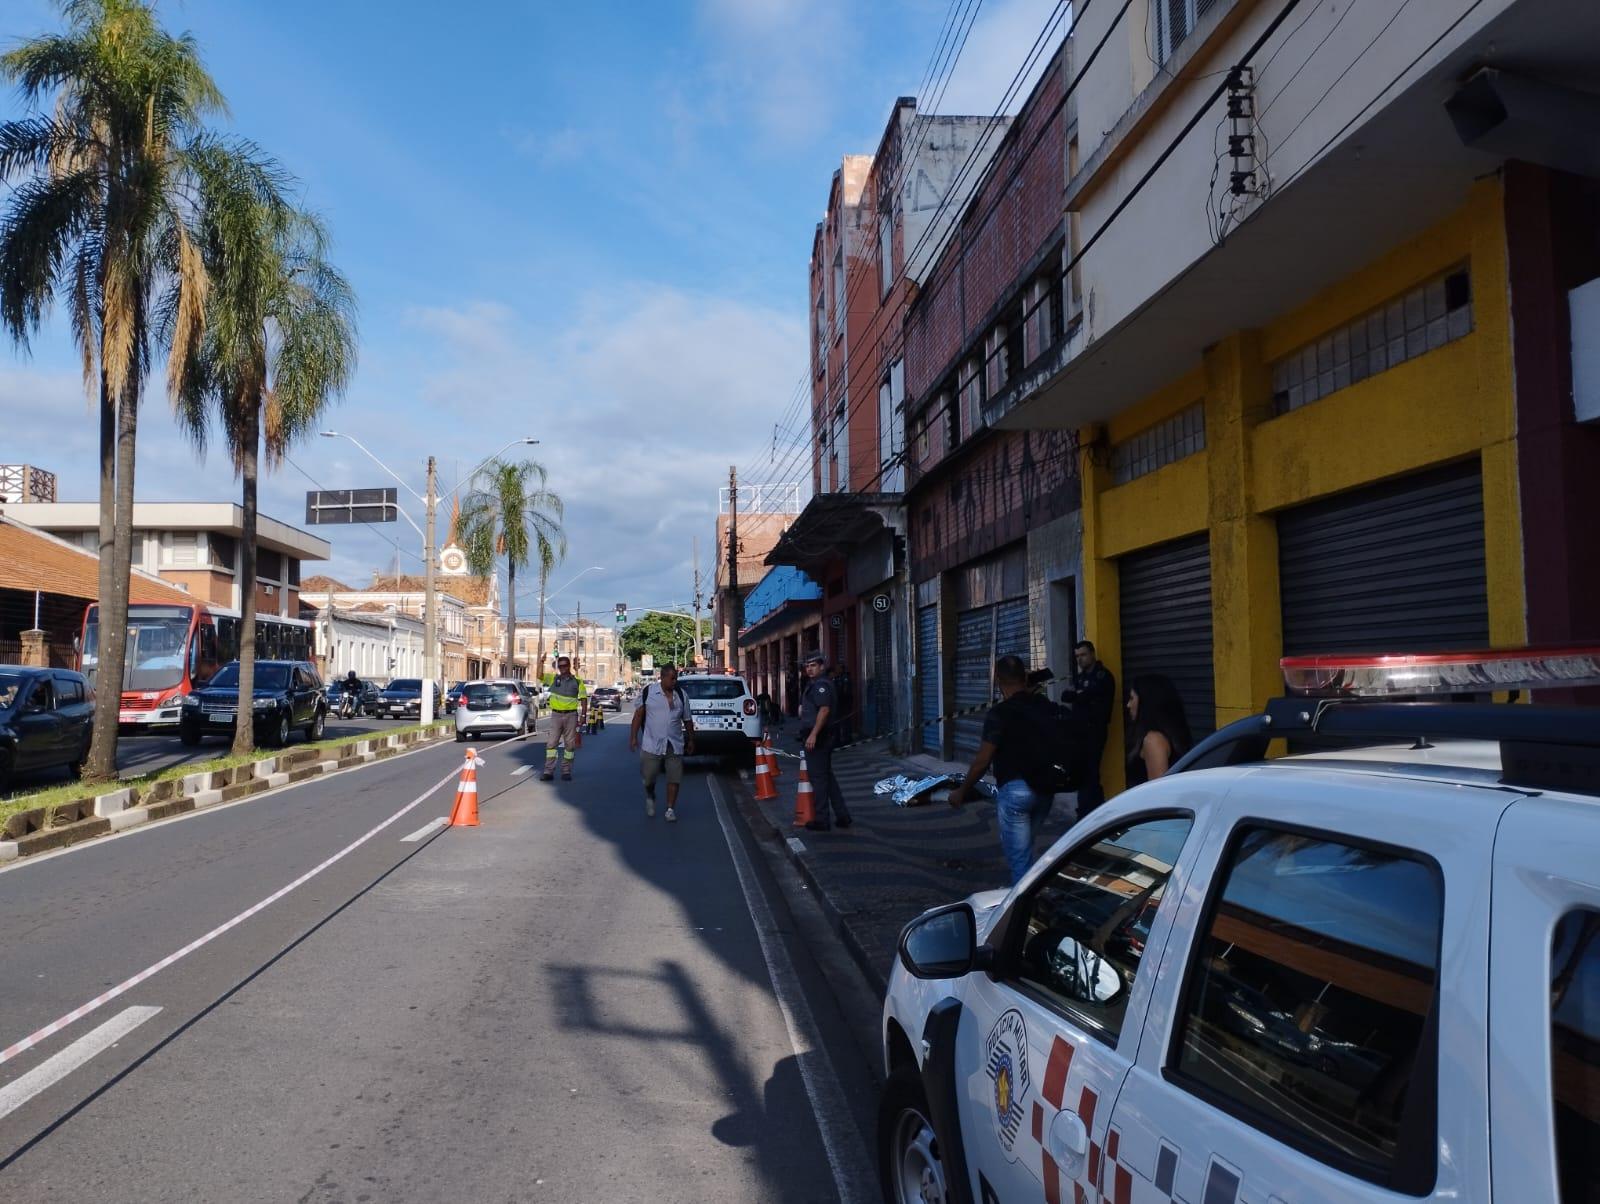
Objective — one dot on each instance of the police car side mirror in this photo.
(942, 943)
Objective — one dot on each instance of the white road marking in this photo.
(794, 843)
(517, 773)
(432, 825)
(57, 1067)
(853, 1176)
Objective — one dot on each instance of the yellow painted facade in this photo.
(1450, 404)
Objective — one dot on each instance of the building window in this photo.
(841, 445)
(1042, 320)
(971, 397)
(1175, 21)
(822, 334)
(1423, 320)
(839, 300)
(885, 253)
(1575, 1051)
(184, 544)
(996, 365)
(1165, 443)
(269, 565)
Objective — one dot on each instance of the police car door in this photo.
(1296, 1048)
(1054, 1026)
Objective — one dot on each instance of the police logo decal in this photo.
(1006, 1060)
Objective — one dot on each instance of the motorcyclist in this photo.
(350, 698)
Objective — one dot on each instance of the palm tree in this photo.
(279, 345)
(97, 217)
(508, 511)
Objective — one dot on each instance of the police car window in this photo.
(1083, 927)
(713, 689)
(1306, 1011)
(1575, 1054)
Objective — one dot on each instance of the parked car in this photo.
(401, 699)
(46, 716)
(724, 713)
(451, 697)
(288, 695)
(607, 698)
(1348, 946)
(492, 708)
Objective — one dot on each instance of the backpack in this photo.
(1057, 739)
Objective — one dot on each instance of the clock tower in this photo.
(453, 561)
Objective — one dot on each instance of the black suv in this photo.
(45, 720)
(288, 695)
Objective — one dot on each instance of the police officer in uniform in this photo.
(819, 729)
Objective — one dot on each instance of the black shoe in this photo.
(566, 777)
(817, 825)
(547, 777)
(843, 823)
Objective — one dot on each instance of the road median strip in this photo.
(43, 829)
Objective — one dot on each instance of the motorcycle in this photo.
(349, 703)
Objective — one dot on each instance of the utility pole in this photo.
(544, 581)
(731, 659)
(577, 641)
(430, 602)
(695, 659)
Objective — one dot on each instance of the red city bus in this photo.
(173, 648)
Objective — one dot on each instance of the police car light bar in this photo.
(1351, 676)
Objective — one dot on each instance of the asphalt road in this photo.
(571, 1002)
(146, 752)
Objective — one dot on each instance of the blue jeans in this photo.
(1020, 811)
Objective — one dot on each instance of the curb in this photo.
(794, 850)
(44, 830)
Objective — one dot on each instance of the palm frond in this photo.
(37, 234)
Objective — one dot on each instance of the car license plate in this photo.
(127, 716)
(220, 716)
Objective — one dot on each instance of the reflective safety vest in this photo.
(565, 692)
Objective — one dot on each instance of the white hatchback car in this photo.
(1285, 980)
(498, 708)
(724, 713)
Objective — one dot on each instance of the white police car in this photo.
(724, 713)
(1365, 972)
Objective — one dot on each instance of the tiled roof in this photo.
(30, 560)
(474, 591)
(322, 585)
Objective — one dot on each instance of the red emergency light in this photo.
(1474, 672)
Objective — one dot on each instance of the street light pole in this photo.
(430, 599)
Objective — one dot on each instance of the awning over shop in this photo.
(835, 525)
(783, 595)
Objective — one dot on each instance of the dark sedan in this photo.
(400, 699)
(45, 720)
(288, 695)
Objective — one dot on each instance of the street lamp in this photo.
(430, 503)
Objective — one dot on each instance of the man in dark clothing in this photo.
(819, 709)
(1093, 694)
(1015, 743)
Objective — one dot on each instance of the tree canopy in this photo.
(664, 637)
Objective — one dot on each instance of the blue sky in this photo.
(584, 223)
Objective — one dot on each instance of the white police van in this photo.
(1367, 971)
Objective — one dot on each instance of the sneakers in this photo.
(672, 815)
(649, 806)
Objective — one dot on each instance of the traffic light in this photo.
(622, 611)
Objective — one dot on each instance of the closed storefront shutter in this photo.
(1166, 623)
(1398, 567)
(928, 676)
(983, 636)
(974, 666)
(881, 699)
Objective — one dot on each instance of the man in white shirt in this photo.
(662, 731)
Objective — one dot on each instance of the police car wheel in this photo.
(908, 1150)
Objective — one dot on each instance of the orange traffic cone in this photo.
(765, 790)
(804, 807)
(772, 759)
(465, 813)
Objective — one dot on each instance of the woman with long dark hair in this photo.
(1158, 732)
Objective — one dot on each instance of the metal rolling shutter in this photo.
(1394, 568)
(1166, 623)
(882, 718)
(974, 674)
(928, 676)
(982, 637)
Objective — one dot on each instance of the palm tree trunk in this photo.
(244, 731)
(102, 765)
(544, 580)
(108, 486)
(511, 620)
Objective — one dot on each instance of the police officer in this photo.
(1093, 694)
(819, 711)
(569, 699)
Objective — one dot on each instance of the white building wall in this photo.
(1327, 69)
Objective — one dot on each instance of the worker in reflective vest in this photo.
(569, 699)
